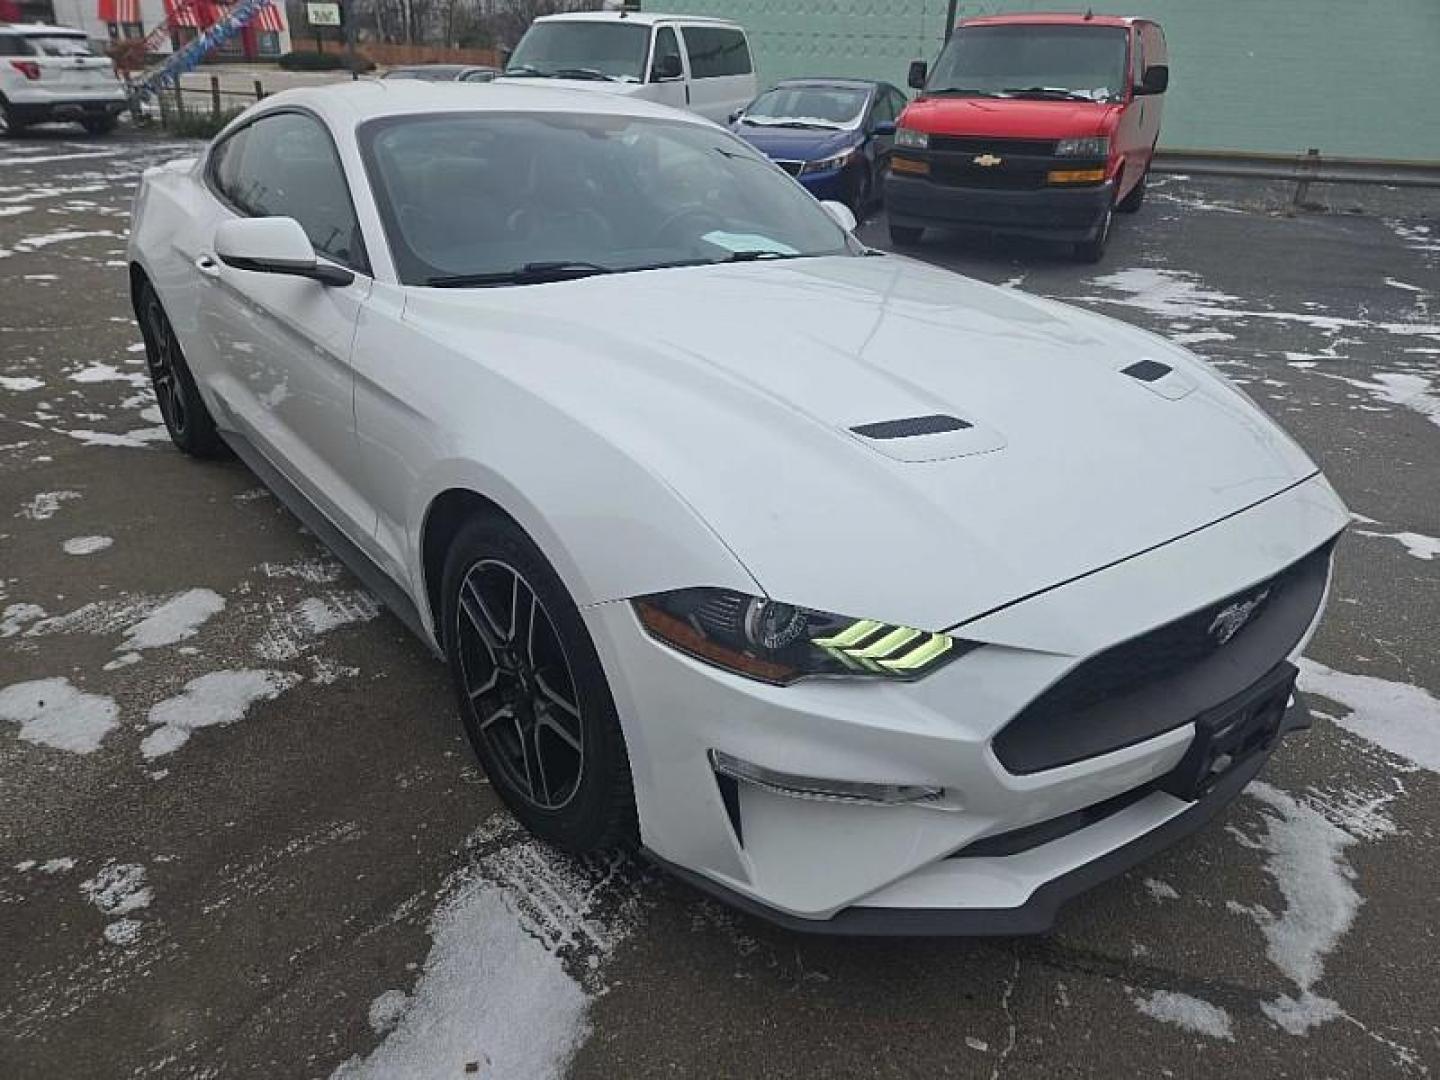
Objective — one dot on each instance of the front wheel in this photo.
(1093, 250)
(533, 697)
(191, 427)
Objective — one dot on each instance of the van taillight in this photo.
(29, 68)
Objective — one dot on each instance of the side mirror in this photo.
(666, 67)
(841, 213)
(736, 115)
(274, 245)
(1155, 80)
(919, 72)
(883, 127)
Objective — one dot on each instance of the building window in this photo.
(267, 43)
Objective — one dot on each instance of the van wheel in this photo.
(905, 235)
(533, 696)
(1131, 202)
(1093, 250)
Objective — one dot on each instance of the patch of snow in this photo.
(46, 504)
(35, 243)
(98, 373)
(19, 383)
(122, 661)
(86, 545)
(317, 571)
(1197, 337)
(294, 631)
(221, 697)
(1412, 392)
(1407, 287)
(52, 712)
(178, 618)
(1418, 545)
(1190, 1013)
(1398, 717)
(15, 616)
(386, 1010)
(118, 889)
(123, 932)
(1161, 890)
(57, 866)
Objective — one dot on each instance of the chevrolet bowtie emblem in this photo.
(987, 160)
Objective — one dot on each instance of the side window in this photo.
(715, 52)
(284, 165)
(884, 109)
(10, 45)
(666, 45)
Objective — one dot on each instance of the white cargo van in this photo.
(686, 61)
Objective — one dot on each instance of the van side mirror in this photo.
(274, 245)
(666, 67)
(735, 116)
(1155, 80)
(919, 72)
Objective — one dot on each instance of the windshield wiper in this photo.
(808, 124)
(581, 73)
(532, 273)
(756, 255)
(966, 91)
(1061, 92)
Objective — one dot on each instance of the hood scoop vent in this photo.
(1159, 378)
(936, 437)
(1147, 370)
(911, 427)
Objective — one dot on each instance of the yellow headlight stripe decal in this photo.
(937, 646)
(852, 635)
(891, 642)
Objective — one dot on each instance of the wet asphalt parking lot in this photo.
(241, 833)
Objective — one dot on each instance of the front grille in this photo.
(1163, 679)
(791, 167)
(1022, 176)
(983, 144)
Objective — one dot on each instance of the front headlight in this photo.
(839, 161)
(1094, 146)
(781, 643)
(911, 139)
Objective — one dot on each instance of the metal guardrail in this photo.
(1301, 170)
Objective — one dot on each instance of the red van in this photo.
(1041, 125)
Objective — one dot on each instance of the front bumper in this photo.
(830, 184)
(1053, 213)
(859, 868)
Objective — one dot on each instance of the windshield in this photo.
(436, 73)
(58, 45)
(580, 50)
(475, 194)
(1033, 61)
(809, 106)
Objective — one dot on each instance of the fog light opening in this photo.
(813, 787)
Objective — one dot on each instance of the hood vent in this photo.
(911, 426)
(1147, 370)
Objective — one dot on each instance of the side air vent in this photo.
(912, 426)
(1147, 370)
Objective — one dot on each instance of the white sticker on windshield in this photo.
(731, 241)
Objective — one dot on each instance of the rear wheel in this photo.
(533, 697)
(189, 422)
(13, 125)
(98, 125)
(905, 235)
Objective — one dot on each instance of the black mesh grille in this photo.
(1006, 176)
(1161, 680)
(791, 167)
(983, 144)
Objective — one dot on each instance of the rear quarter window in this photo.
(716, 52)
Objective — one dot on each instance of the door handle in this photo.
(207, 265)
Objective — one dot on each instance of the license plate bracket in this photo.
(1233, 732)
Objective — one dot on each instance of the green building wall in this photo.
(1355, 78)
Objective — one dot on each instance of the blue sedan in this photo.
(833, 135)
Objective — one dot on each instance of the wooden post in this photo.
(259, 91)
(163, 101)
(215, 97)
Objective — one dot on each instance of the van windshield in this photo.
(582, 50)
(1061, 62)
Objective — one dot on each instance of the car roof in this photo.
(1067, 18)
(40, 28)
(823, 80)
(640, 18)
(351, 103)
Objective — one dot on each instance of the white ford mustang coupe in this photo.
(866, 596)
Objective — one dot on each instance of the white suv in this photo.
(686, 61)
(50, 73)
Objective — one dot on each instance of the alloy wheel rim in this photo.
(519, 684)
(161, 356)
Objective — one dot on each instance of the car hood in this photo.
(606, 86)
(1011, 118)
(739, 386)
(795, 144)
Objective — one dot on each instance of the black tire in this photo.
(13, 127)
(1136, 196)
(861, 195)
(98, 125)
(906, 235)
(189, 422)
(539, 717)
(1092, 251)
